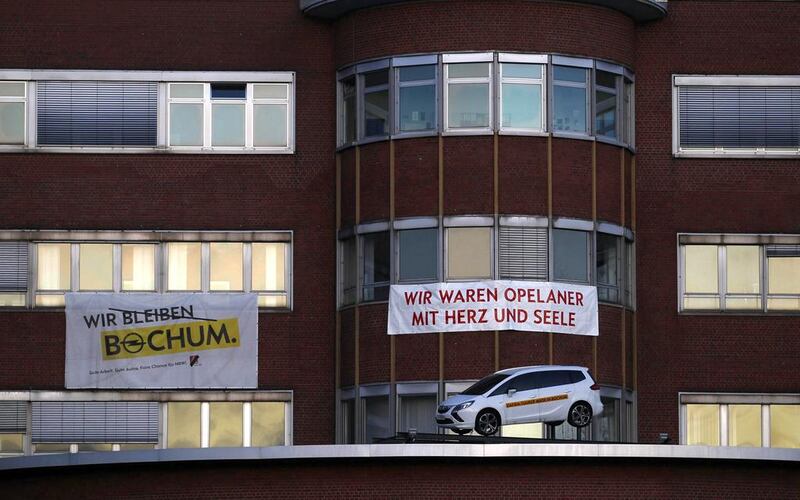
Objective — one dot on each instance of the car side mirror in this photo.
(511, 392)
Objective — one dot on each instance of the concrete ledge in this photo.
(638, 10)
(409, 451)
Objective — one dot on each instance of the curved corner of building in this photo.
(639, 10)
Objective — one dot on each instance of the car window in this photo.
(484, 384)
(524, 382)
(576, 376)
(555, 377)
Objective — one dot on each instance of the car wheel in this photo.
(462, 432)
(487, 422)
(580, 414)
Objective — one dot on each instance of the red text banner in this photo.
(493, 305)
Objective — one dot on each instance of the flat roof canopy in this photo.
(638, 10)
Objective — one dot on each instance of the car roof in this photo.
(538, 368)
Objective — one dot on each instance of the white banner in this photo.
(493, 305)
(156, 341)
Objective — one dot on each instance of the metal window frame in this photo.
(163, 80)
(541, 82)
(361, 93)
(722, 241)
(447, 59)
(397, 64)
(161, 264)
(680, 80)
(725, 400)
(25, 115)
(586, 86)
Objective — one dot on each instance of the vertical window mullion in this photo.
(206, 115)
(205, 424)
(116, 267)
(74, 270)
(765, 426)
(247, 423)
(722, 261)
(247, 267)
(248, 116)
(205, 267)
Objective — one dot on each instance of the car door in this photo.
(555, 395)
(519, 407)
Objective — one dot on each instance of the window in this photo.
(415, 413)
(521, 96)
(783, 276)
(376, 418)
(13, 273)
(628, 114)
(376, 103)
(630, 273)
(417, 98)
(746, 420)
(608, 423)
(375, 271)
(349, 271)
(348, 418)
(225, 424)
(13, 425)
(347, 88)
(605, 103)
(571, 255)
(268, 424)
(469, 253)
(736, 115)
(261, 267)
(608, 267)
(97, 113)
(522, 253)
(570, 99)
(229, 116)
(13, 101)
(744, 277)
(468, 96)
(418, 249)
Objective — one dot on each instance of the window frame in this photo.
(721, 241)
(725, 400)
(681, 80)
(361, 96)
(25, 113)
(532, 59)
(587, 86)
(163, 79)
(160, 241)
(619, 96)
(404, 62)
(484, 58)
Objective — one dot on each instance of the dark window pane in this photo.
(376, 266)
(569, 74)
(569, 113)
(417, 108)
(418, 251)
(484, 384)
(376, 78)
(413, 73)
(228, 91)
(571, 254)
(606, 79)
(608, 267)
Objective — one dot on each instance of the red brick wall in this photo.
(375, 358)
(572, 178)
(609, 194)
(374, 171)
(420, 478)
(522, 175)
(156, 191)
(417, 357)
(468, 175)
(416, 177)
(707, 353)
(512, 25)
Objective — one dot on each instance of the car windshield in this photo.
(485, 384)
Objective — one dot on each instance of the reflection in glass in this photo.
(183, 425)
(269, 125)
(186, 124)
(225, 424)
(417, 108)
(376, 266)
(468, 105)
(227, 125)
(268, 424)
(569, 109)
(522, 106)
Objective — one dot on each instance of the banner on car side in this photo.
(154, 341)
(493, 305)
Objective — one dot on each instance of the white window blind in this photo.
(13, 416)
(97, 113)
(13, 266)
(739, 117)
(523, 253)
(94, 422)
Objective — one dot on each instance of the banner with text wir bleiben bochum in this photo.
(158, 341)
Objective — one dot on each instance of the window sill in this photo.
(133, 150)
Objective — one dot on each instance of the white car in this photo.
(549, 394)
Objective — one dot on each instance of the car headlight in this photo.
(463, 406)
